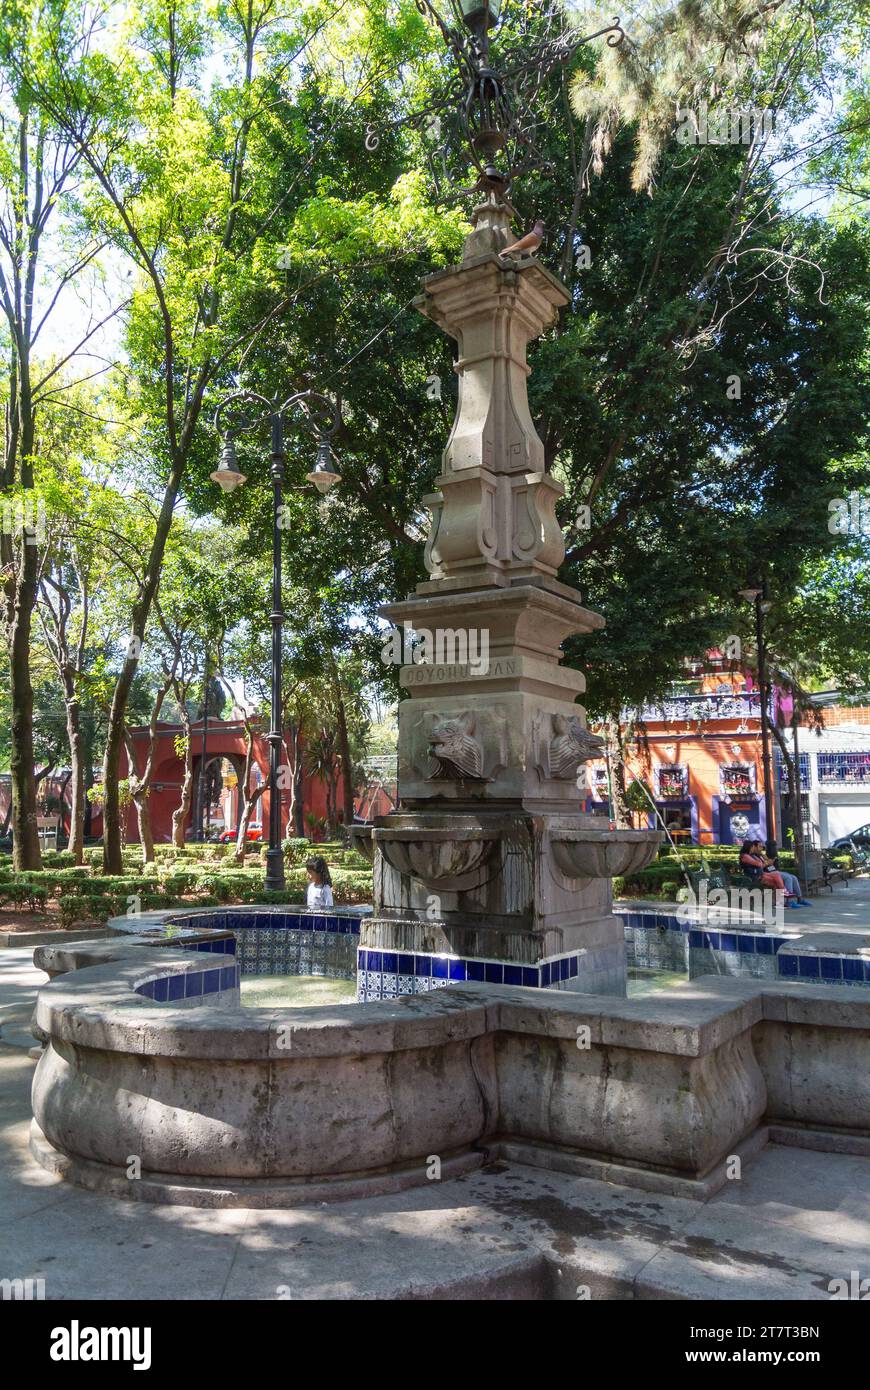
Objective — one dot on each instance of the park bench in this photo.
(831, 873)
(719, 877)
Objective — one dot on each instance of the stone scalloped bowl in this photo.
(361, 840)
(434, 855)
(590, 854)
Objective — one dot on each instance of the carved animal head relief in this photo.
(456, 754)
(570, 746)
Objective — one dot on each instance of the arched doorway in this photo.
(220, 804)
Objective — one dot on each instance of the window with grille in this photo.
(844, 767)
(804, 769)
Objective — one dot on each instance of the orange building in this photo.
(700, 754)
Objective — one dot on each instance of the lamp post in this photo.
(202, 795)
(757, 594)
(323, 476)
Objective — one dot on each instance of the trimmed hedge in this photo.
(193, 877)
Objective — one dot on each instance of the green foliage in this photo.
(256, 240)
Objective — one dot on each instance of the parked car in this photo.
(229, 837)
(858, 840)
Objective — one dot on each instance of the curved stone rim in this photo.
(173, 1189)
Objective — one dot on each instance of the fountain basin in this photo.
(584, 854)
(449, 856)
(361, 839)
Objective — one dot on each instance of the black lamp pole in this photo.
(323, 476)
(757, 593)
(765, 725)
(201, 811)
(275, 880)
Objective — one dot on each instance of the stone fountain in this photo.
(489, 871)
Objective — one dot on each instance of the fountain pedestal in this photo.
(489, 871)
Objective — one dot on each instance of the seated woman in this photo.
(755, 866)
(791, 881)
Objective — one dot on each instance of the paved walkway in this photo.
(795, 1221)
(847, 909)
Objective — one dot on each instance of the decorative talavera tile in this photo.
(390, 986)
(406, 984)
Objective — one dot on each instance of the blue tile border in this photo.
(342, 923)
(383, 974)
(190, 984)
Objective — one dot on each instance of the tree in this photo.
(39, 168)
(638, 800)
(699, 393)
(171, 186)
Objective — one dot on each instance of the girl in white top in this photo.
(319, 884)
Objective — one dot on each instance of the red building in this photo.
(225, 750)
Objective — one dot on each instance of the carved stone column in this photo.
(493, 518)
(489, 870)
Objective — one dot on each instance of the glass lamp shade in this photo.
(227, 475)
(749, 593)
(323, 475)
(480, 14)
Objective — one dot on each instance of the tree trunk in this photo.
(89, 810)
(291, 750)
(331, 789)
(146, 835)
(245, 820)
(621, 813)
(112, 861)
(26, 853)
(249, 798)
(344, 754)
(299, 781)
(794, 795)
(180, 814)
(75, 844)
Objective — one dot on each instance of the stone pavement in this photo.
(793, 1222)
(846, 909)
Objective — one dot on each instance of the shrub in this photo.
(58, 859)
(296, 851)
(85, 907)
(179, 882)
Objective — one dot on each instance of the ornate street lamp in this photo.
(487, 107)
(228, 476)
(480, 14)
